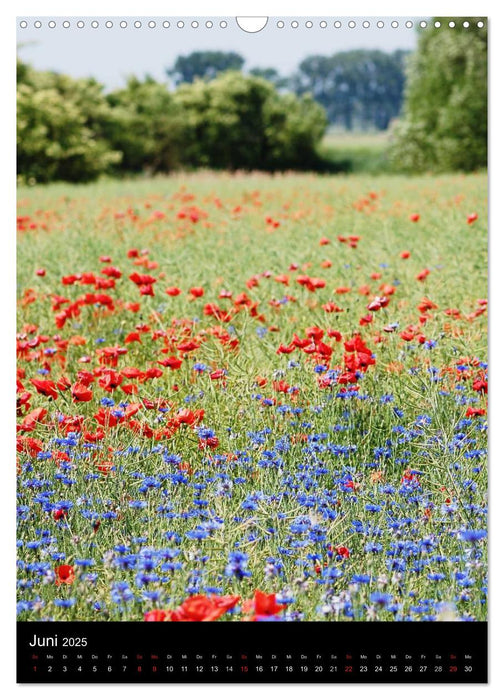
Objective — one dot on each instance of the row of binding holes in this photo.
(366, 24)
(80, 24)
(180, 24)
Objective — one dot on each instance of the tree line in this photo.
(215, 115)
(360, 89)
(69, 129)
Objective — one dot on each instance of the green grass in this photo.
(355, 152)
(281, 497)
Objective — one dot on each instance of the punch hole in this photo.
(252, 25)
(51, 24)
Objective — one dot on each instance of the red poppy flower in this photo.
(132, 338)
(173, 291)
(471, 218)
(132, 306)
(423, 275)
(368, 318)
(211, 442)
(141, 280)
(153, 373)
(112, 272)
(285, 349)
(129, 388)
(405, 254)
(475, 412)
(155, 616)
(187, 347)
(378, 303)
(171, 362)
(64, 574)
(332, 308)
(426, 305)
(81, 392)
(414, 217)
(45, 387)
(200, 608)
(263, 604)
(31, 419)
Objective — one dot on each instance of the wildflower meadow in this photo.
(252, 397)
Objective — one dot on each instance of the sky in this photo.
(111, 54)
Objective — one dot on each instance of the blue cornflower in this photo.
(64, 603)
(472, 535)
(380, 598)
(84, 563)
(121, 592)
(236, 565)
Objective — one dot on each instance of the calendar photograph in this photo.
(252, 343)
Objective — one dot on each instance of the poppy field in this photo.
(252, 397)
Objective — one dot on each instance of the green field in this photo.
(317, 429)
(355, 152)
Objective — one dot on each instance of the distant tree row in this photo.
(220, 117)
(71, 130)
(358, 89)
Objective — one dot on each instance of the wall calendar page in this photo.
(251, 349)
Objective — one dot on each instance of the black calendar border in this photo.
(346, 642)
